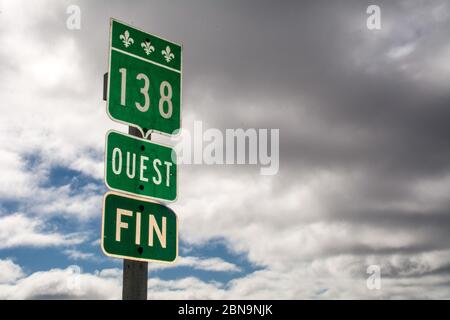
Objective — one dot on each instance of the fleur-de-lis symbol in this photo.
(126, 39)
(148, 48)
(168, 55)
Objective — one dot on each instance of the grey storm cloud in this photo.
(305, 67)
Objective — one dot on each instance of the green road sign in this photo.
(140, 167)
(144, 80)
(136, 229)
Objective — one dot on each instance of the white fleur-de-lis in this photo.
(168, 55)
(126, 39)
(148, 48)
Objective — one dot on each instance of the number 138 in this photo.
(165, 90)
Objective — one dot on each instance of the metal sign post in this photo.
(135, 273)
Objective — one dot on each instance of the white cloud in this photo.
(207, 264)
(53, 109)
(185, 288)
(9, 271)
(16, 181)
(401, 51)
(62, 284)
(18, 230)
(82, 203)
(340, 277)
(75, 254)
(53, 114)
(104, 284)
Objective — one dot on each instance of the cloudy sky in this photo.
(364, 173)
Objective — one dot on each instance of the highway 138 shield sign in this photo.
(144, 80)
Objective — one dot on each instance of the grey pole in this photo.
(134, 283)
(135, 273)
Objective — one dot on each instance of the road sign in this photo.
(144, 80)
(136, 229)
(140, 167)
